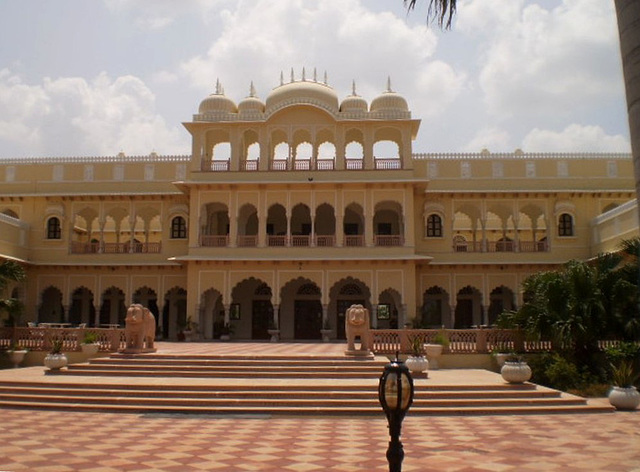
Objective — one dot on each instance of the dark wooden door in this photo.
(261, 313)
(308, 319)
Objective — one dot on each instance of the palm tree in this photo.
(440, 10)
(628, 13)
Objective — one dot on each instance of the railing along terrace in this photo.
(41, 339)
(356, 240)
(388, 163)
(460, 341)
(247, 241)
(389, 240)
(354, 164)
(77, 247)
(500, 246)
(210, 240)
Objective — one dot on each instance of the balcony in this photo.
(78, 247)
(500, 246)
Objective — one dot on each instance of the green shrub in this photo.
(563, 374)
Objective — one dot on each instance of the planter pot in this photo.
(434, 351)
(516, 372)
(225, 337)
(188, 335)
(17, 357)
(624, 398)
(325, 335)
(90, 349)
(55, 361)
(275, 335)
(417, 364)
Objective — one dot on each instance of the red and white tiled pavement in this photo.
(53, 441)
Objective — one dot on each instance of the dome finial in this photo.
(293, 79)
(325, 78)
(304, 75)
(389, 84)
(218, 87)
(281, 78)
(252, 90)
(353, 88)
(315, 75)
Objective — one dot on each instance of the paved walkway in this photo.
(58, 442)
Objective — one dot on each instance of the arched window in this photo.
(434, 226)
(565, 225)
(53, 228)
(178, 228)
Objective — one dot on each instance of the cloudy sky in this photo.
(80, 78)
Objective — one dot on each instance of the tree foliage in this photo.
(582, 303)
(441, 11)
(10, 271)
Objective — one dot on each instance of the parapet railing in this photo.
(40, 339)
(462, 341)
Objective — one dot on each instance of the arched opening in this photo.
(435, 307)
(51, 309)
(82, 310)
(113, 310)
(276, 225)
(501, 299)
(468, 308)
(174, 312)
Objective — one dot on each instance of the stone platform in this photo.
(264, 378)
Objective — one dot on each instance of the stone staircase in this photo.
(313, 385)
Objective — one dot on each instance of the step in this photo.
(316, 410)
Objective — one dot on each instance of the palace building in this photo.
(291, 209)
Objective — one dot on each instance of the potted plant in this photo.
(416, 362)
(326, 330)
(226, 332)
(188, 329)
(500, 353)
(515, 369)
(435, 348)
(56, 359)
(16, 354)
(624, 395)
(90, 344)
(273, 331)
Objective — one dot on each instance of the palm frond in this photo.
(441, 11)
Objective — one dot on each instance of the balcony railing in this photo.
(325, 241)
(247, 241)
(388, 240)
(276, 241)
(78, 247)
(501, 246)
(354, 240)
(214, 240)
(300, 240)
(388, 164)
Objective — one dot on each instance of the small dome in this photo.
(217, 102)
(251, 104)
(303, 92)
(354, 102)
(389, 101)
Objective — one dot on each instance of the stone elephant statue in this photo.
(357, 325)
(140, 329)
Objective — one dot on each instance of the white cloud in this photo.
(536, 61)
(492, 138)
(72, 116)
(575, 137)
(260, 39)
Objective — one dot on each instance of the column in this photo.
(340, 228)
(374, 316)
(276, 316)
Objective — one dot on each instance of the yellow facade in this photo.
(289, 210)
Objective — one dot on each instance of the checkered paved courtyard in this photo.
(56, 441)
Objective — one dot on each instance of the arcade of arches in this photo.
(299, 307)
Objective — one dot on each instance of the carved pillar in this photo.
(374, 316)
(276, 316)
(340, 228)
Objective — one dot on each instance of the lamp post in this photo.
(395, 392)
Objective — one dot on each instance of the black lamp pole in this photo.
(395, 392)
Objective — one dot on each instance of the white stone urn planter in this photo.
(17, 356)
(515, 372)
(434, 351)
(55, 361)
(417, 364)
(275, 335)
(325, 335)
(624, 398)
(90, 349)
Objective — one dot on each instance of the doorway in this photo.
(307, 319)
(261, 314)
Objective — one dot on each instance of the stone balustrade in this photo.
(40, 339)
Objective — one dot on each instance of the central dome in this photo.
(314, 93)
